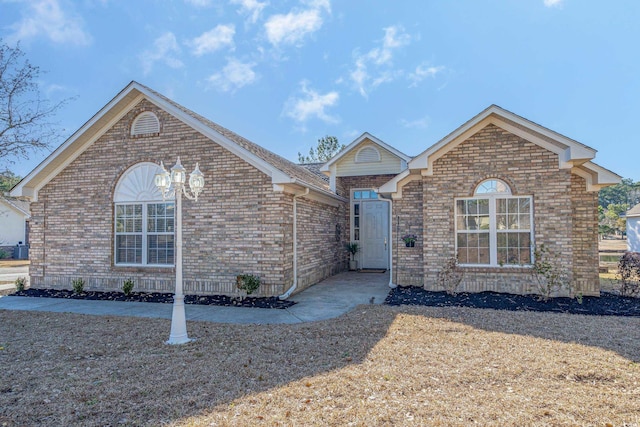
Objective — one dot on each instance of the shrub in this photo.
(78, 285)
(549, 277)
(127, 286)
(450, 276)
(4, 254)
(247, 283)
(629, 274)
(20, 283)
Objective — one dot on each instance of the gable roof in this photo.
(20, 206)
(571, 154)
(282, 171)
(365, 136)
(634, 211)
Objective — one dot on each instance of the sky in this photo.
(285, 73)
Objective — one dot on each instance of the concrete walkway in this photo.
(328, 299)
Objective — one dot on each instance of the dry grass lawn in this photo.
(376, 366)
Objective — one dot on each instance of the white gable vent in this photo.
(144, 124)
(367, 155)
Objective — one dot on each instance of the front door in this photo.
(374, 234)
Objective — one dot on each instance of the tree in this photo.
(625, 192)
(610, 220)
(7, 180)
(326, 149)
(24, 115)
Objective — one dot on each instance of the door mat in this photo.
(372, 270)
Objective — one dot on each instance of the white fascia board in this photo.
(570, 152)
(327, 166)
(596, 176)
(31, 191)
(315, 193)
(394, 186)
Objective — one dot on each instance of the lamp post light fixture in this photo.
(173, 184)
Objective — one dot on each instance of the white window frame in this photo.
(145, 234)
(493, 229)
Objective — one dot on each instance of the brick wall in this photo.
(321, 246)
(239, 225)
(529, 170)
(408, 263)
(584, 214)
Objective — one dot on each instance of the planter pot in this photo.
(410, 244)
(353, 265)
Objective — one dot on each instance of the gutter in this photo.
(295, 246)
(390, 231)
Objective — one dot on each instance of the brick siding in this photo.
(239, 224)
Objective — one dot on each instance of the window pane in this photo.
(356, 234)
(460, 206)
(525, 205)
(357, 194)
(483, 206)
(472, 206)
(513, 222)
(483, 240)
(483, 222)
(525, 222)
(462, 240)
(501, 222)
(356, 221)
(356, 209)
(501, 206)
(512, 205)
(462, 256)
(502, 256)
(483, 256)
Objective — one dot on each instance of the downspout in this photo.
(390, 231)
(295, 246)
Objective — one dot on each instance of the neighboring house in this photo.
(488, 192)
(14, 223)
(633, 228)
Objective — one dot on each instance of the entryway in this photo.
(374, 235)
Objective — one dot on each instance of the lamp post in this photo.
(173, 184)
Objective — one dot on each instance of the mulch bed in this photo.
(607, 304)
(157, 297)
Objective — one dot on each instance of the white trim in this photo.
(371, 148)
(84, 137)
(326, 168)
(493, 229)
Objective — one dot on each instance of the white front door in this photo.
(374, 234)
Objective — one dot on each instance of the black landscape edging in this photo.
(607, 304)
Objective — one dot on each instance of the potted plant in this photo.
(353, 249)
(409, 240)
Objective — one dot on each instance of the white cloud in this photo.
(164, 50)
(421, 123)
(553, 3)
(424, 71)
(215, 39)
(293, 27)
(379, 59)
(311, 104)
(46, 17)
(233, 76)
(252, 8)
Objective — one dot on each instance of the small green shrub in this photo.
(4, 254)
(450, 276)
(247, 283)
(78, 285)
(127, 286)
(20, 283)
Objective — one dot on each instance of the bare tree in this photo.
(24, 116)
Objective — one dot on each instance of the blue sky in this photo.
(285, 73)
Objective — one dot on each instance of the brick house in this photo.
(488, 192)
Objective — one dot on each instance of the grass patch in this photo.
(377, 365)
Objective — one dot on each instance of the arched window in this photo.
(144, 223)
(494, 228)
(367, 154)
(145, 123)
